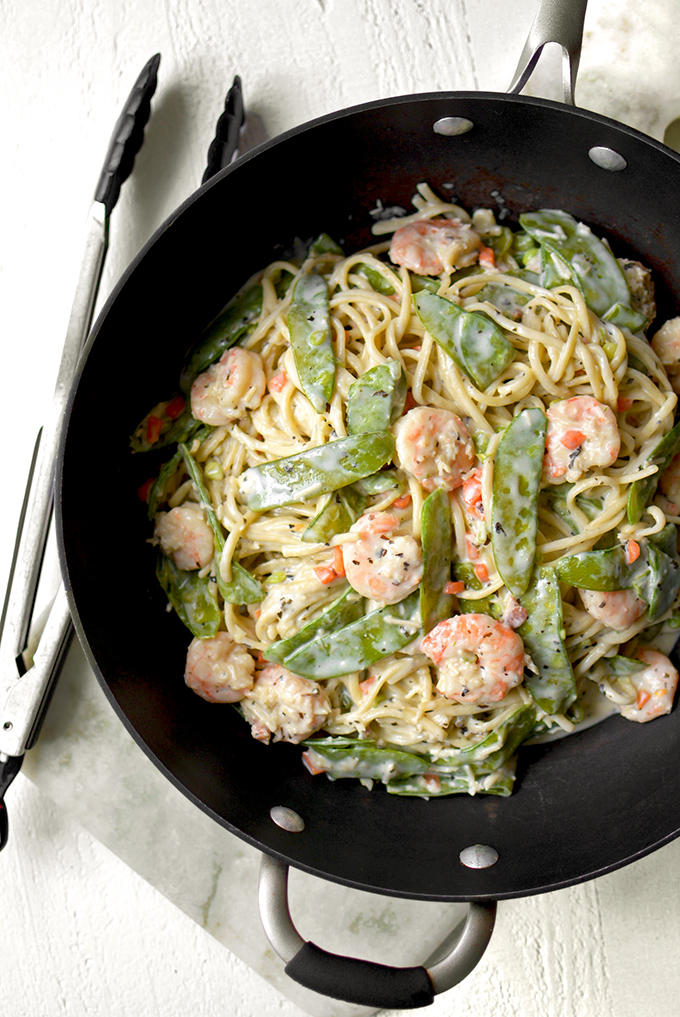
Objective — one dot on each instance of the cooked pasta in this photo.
(412, 519)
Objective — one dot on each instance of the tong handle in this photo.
(559, 21)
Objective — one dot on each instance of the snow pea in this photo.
(556, 499)
(158, 429)
(554, 687)
(324, 245)
(467, 780)
(346, 609)
(192, 597)
(474, 342)
(620, 666)
(242, 588)
(571, 251)
(506, 299)
(234, 322)
(358, 645)
(606, 569)
(159, 490)
(642, 491)
(516, 479)
(436, 538)
(659, 583)
(339, 511)
(380, 482)
(376, 280)
(309, 324)
(377, 398)
(354, 757)
(316, 471)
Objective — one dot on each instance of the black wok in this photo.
(584, 805)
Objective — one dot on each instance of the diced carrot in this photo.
(473, 553)
(154, 426)
(572, 439)
(403, 501)
(487, 257)
(325, 574)
(482, 572)
(432, 782)
(472, 494)
(338, 561)
(314, 770)
(143, 491)
(278, 382)
(632, 551)
(175, 407)
(642, 697)
(454, 587)
(623, 404)
(367, 684)
(410, 401)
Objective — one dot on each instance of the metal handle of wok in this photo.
(561, 22)
(360, 981)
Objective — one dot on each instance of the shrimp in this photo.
(284, 705)
(434, 446)
(582, 433)
(617, 610)
(380, 566)
(219, 669)
(479, 659)
(655, 687)
(235, 383)
(666, 344)
(184, 535)
(428, 246)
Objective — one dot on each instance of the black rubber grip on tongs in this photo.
(224, 145)
(360, 981)
(128, 135)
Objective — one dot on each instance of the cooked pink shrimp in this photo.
(428, 246)
(185, 535)
(666, 344)
(617, 610)
(219, 669)
(655, 687)
(381, 566)
(669, 486)
(235, 383)
(479, 659)
(284, 705)
(435, 447)
(582, 433)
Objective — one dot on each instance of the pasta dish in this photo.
(418, 503)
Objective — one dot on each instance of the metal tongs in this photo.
(28, 674)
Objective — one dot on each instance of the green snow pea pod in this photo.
(309, 324)
(606, 569)
(516, 479)
(642, 491)
(380, 482)
(359, 644)
(377, 398)
(659, 583)
(242, 588)
(160, 489)
(424, 282)
(573, 252)
(354, 757)
(621, 667)
(468, 780)
(554, 687)
(192, 596)
(316, 471)
(168, 422)
(234, 322)
(556, 499)
(506, 299)
(340, 510)
(324, 245)
(436, 539)
(474, 342)
(376, 280)
(346, 609)
(625, 317)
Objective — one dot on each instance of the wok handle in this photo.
(559, 21)
(365, 982)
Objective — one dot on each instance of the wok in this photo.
(582, 806)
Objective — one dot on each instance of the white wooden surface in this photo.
(80, 933)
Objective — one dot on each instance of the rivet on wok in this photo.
(451, 126)
(608, 159)
(478, 856)
(287, 819)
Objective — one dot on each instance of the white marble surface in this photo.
(118, 895)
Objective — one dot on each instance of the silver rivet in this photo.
(478, 856)
(7, 726)
(287, 819)
(451, 126)
(607, 159)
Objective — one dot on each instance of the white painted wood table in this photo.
(100, 916)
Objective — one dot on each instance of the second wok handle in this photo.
(559, 21)
(359, 981)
